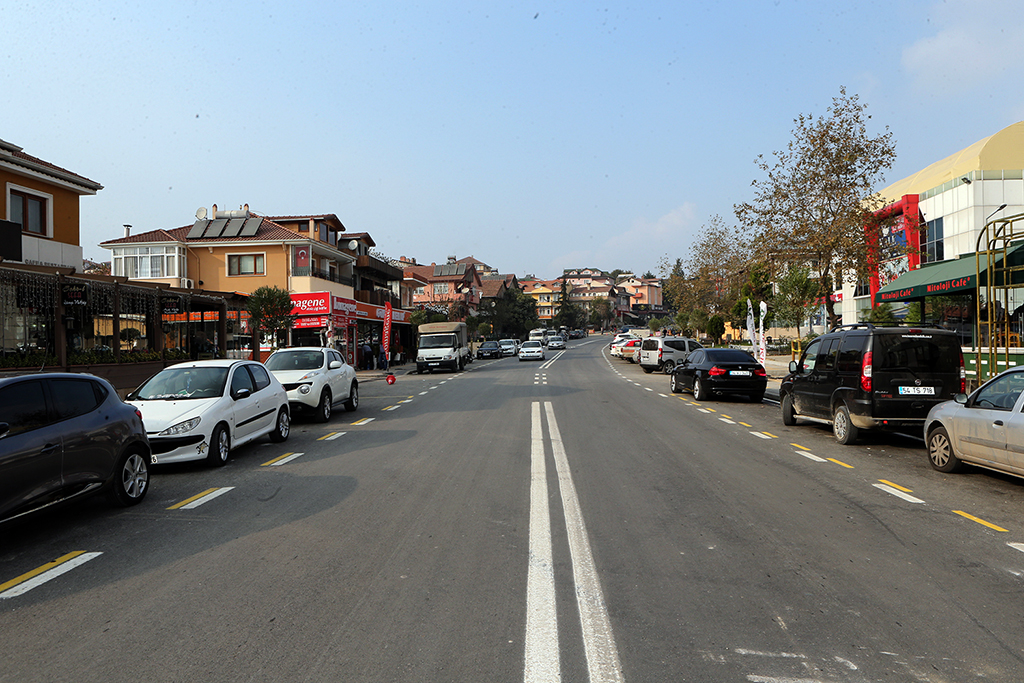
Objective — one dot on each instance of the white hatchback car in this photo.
(203, 409)
(316, 379)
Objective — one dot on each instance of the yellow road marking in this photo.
(193, 498)
(980, 521)
(770, 434)
(282, 457)
(326, 436)
(896, 486)
(840, 463)
(796, 445)
(745, 424)
(728, 417)
(39, 570)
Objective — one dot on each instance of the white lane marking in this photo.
(207, 498)
(332, 437)
(704, 410)
(810, 456)
(1017, 546)
(392, 408)
(289, 458)
(49, 574)
(542, 654)
(422, 393)
(407, 400)
(598, 639)
(759, 434)
(663, 395)
(727, 420)
(898, 493)
(648, 389)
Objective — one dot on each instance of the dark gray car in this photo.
(65, 435)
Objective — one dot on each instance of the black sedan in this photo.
(489, 349)
(65, 435)
(707, 372)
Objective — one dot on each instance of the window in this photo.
(73, 397)
(241, 380)
(147, 262)
(245, 264)
(259, 373)
(323, 231)
(30, 211)
(23, 407)
(418, 291)
(440, 288)
(931, 242)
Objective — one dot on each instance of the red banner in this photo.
(387, 329)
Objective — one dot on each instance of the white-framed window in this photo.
(246, 264)
(418, 291)
(440, 288)
(31, 209)
(148, 262)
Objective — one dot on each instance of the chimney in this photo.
(451, 259)
(127, 230)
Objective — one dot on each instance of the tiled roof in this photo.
(268, 231)
(28, 161)
(492, 288)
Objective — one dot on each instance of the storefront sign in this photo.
(74, 295)
(310, 321)
(170, 305)
(317, 303)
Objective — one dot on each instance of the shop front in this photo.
(354, 328)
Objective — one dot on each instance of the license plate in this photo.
(740, 373)
(917, 391)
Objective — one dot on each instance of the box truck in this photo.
(442, 345)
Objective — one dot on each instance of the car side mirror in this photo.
(793, 366)
(241, 393)
(334, 365)
(961, 399)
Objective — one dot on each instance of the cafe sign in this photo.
(74, 294)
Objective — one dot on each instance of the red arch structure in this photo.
(908, 220)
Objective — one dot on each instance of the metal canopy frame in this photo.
(996, 244)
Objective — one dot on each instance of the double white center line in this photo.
(542, 651)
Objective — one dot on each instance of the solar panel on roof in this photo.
(251, 226)
(216, 227)
(198, 228)
(233, 226)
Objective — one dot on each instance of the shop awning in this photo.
(956, 276)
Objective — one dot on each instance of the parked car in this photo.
(710, 372)
(621, 337)
(205, 408)
(509, 347)
(531, 350)
(866, 377)
(556, 342)
(985, 428)
(316, 379)
(626, 348)
(664, 353)
(489, 349)
(67, 435)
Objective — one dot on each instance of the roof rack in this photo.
(871, 326)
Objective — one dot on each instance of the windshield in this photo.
(489, 345)
(437, 341)
(183, 383)
(296, 360)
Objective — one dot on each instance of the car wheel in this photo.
(843, 429)
(220, 446)
(700, 392)
(940, 451)
(323, 409)
(674, 385)
(283, 427)
(646, 369)
(757, 397)
(667, 367)
(352, 402)
(131, 480)
(788, 413)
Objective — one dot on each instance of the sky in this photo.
(534, 136)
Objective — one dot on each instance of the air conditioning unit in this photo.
(186, 283)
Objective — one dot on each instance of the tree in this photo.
(521, 313)
(716, 328)
(815, 205)
(648, 275)
(796, 296)
(882, 315)
(718, 261)
(270, 310)
(603, 309)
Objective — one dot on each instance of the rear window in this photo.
(650, 345)
(729, 355)
(917, 352)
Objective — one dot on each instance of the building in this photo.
(40, 208)
(451, 288)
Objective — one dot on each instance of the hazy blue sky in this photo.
(535, 136)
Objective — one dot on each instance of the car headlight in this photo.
(304, 388)
(309, 375)
(448, 356)
(181, 427)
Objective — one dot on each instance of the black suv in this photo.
(866, 377)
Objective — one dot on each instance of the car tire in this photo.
(667, 367)
(674, 385)
(283, 426)
(323, 409)
(646, 369)
(788, 412)
(220, 447)
(352, 402)
(131, 480)
(842, 427)
(700, 392)
(940, 451)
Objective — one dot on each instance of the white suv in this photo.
(316, 379)
(664, 353)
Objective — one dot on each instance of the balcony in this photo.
(383, 269)
(306, 271)
(378, 297)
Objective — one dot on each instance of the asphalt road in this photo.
(568, 520)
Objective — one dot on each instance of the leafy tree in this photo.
(270, 310)
(603, 309)
(673, 282)
(716, 328)
(815, 204)
(648, 275)
(419, 317)
(682, 321)
(486, 329)
(521, 313)
(882, 315)
(796, 296)
(718, 261)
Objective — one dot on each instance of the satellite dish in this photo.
(201, 213)
(352, 244)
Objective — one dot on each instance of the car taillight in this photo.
(139, 413)
(865, 372)
(759, 371)
(963, 375)
(659, 354)
(716, 371)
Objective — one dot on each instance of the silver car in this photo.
(316, 380)
(985, 428)
(531, 350)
